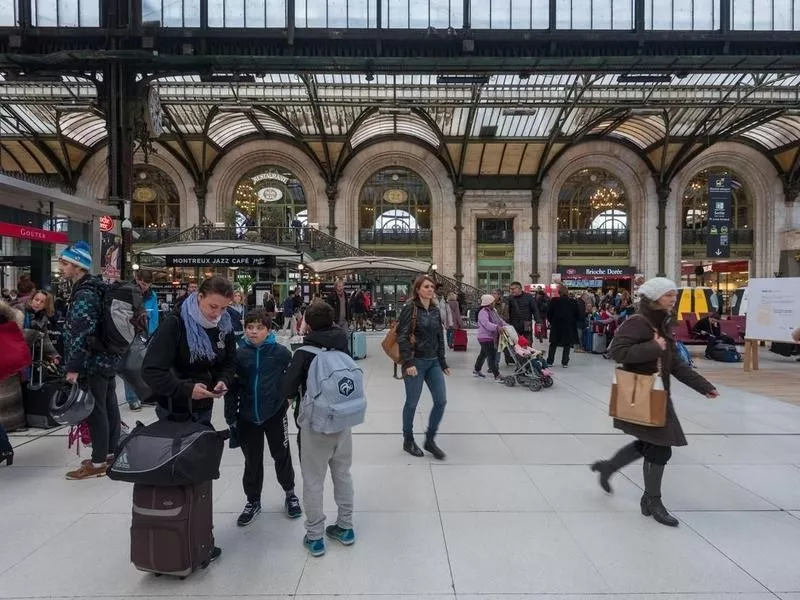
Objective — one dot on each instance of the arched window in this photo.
(593, 208)
(695, 201)
(268, 196)
(395, 207)
(156, 204)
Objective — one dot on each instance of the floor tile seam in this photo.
(441, 525)
(55, 534)
(739, 485)
(723, 553)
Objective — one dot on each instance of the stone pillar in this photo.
(459, 228)
(332, 191)
(200, 191)
(663, 190)
(536, 194)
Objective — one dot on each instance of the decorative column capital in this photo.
(536, 193)
(791, 189)
(200, 190)
(459, 194)
(332, 192)
(663, 190)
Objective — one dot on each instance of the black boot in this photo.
(7, 456)
(431, 447)
(651, 501)
(624, 456)
(410, 446)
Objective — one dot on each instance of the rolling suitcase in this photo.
(44, 382)
(460, 340)
(172, 528)
(599, 343)
(358, 345)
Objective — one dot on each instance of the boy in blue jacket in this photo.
(254, 409)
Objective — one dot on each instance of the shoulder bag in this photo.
(390, 344)
(639, 399)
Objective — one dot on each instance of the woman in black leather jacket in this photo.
(420, 335)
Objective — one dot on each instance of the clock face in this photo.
(270, 194)
(395, 196)
(144, 194)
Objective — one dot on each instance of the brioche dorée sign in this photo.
(33, 234)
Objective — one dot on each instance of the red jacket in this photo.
(15, 355)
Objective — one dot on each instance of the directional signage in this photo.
(719, 216)
(221, 260)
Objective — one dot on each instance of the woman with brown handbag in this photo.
(639, 345)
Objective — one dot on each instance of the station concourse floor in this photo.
(514, 511)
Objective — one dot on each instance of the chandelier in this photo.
(605, 198)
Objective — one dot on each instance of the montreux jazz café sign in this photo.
(220, 260)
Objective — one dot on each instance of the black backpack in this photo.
(122, 318)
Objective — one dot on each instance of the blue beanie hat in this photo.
(78, 254)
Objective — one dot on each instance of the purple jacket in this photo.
(489, 324)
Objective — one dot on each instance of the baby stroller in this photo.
(530, 368)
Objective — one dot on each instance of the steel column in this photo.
(459, 228)
(663, 196)
(536, 194)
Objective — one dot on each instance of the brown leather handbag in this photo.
(638, 399)
(390, 344)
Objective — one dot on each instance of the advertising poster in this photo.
(111, 265)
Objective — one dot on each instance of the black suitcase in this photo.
(36, 395)
(172, 528)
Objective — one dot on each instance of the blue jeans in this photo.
(200, 416)
(130, 394)
(430, 373)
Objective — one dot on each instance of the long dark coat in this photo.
(564, 316)
(635, 348)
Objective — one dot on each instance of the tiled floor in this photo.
(514, 510)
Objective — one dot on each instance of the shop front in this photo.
(26, 249)
(724, 276)
(596, 277)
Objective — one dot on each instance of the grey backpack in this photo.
(334, 398)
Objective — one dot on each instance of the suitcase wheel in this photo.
(157, 574)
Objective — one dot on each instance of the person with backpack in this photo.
(420, 336)
(331, 386)
(254, 409)
(143, 279)
(86, 361)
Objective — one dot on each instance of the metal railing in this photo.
(383, 236)
(155, 235)
(593, 236)
(700, 236)
(505, 236)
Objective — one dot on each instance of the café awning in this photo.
(237, 248)
(369, 263)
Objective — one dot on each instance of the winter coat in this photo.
(295, 380)
(256, 393)
(36, 327)
(150, 304)
(169, 373)
(565, 318)
(335, 303)
(16, 355)
(453, 318)
(522, 308)
(428, 334)
(489, 325)
(84, 319)
(237, 314)
(635, 348)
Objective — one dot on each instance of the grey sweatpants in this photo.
(319, 451)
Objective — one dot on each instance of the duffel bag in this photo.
(169, 452)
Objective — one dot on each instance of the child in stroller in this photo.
(530, 367)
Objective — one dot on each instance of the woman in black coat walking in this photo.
(640, 344)
(564, 316)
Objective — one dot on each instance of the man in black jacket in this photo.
(337, 300)
(522, 310)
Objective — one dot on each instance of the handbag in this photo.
(639, 399)
(390, 344)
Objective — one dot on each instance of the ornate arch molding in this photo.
(250, 155)
(93, 182)
(426, 165)
(765, 186)
(635, 176)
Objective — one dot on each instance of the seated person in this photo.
(522, 347)
(708, 328)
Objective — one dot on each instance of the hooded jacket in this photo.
(294, 382)
(256, 392)
(84, 319)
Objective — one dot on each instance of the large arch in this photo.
(244, 158)
(768, 202)
(412, 156)
(93, 182)
(640, 187)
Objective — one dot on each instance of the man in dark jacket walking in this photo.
(85, 362)
(564, 316)
(337, 299)
(523, 311)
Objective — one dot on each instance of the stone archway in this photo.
(416, 158)
(634, 174)
(767, 196)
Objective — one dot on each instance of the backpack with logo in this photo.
(334, 399)
(123, 316)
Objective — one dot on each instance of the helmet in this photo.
(71, 404)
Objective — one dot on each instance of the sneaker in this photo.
(215, 554)
(250, 512)
(499, 379)
(479, 374)
(314, 547)
(293, 509)
(136, 406)
(346, 537)
(565, 366)
(87, 470)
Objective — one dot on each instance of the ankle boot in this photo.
(431, 447)
(651, 500)
(7, 456)
(410, 446)
(606, 468)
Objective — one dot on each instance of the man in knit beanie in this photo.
(86, 364)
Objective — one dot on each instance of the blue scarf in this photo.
(200, 346)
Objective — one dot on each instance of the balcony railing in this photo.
(154, 235)
(378, 237)
(496, 237)
(736, 237)
(594, 236)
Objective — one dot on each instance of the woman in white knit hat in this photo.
(638, 345)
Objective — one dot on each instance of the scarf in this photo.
(200, 346)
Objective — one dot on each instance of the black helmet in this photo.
(71, 404)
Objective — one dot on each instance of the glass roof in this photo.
(643, 111)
